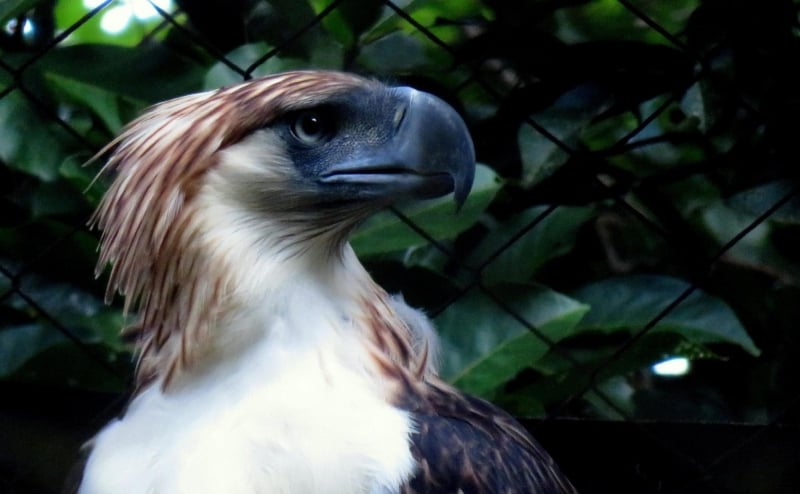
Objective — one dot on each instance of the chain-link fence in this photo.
(635, 204)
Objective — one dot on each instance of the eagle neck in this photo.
(316, 299)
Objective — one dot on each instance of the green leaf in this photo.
(552, 236)
(610, 19)
(18, 344)
(296, 15)
(426, 13)
(592, 367)
(758, 200)
(483, 346)
(91, 31)
(10, 9)
(696, 108)
(81, 177)
(723, 223)
(56, 198)
(105, 104)
(396, 52)
(81, 312)
(221, 74)
(629, 303)
(565, 119)
(349, 19)
(385, 232)
(325, 55)
(29, 144)
(148, 74)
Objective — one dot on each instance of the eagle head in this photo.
(218, 194)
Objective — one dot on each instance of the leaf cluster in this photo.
(634, 201)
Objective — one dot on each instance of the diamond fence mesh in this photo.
(635, 203)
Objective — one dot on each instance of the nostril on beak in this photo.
(399, 116)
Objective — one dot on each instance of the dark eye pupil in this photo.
(310, 124)
(312, 127)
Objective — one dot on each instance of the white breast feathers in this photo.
(298, 411)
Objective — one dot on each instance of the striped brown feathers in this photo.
(151, 223)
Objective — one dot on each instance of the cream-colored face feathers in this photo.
(162, 159)
(154, 228)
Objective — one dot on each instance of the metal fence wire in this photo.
(647, 173)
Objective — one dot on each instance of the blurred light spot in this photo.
(115, 19)
(673, 367)
(143, 9)
(27, 28)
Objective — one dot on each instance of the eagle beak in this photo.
(433, 141)
(428, 153)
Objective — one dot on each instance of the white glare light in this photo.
(11, 27)
(673, 367)
(143, 9)
(115, 20)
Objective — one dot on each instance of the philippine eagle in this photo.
(268, 359)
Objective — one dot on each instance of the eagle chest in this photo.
(315, 427)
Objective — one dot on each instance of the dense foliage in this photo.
(634, 200)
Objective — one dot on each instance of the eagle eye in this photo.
(312, 127)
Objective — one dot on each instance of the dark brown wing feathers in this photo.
(466, 445)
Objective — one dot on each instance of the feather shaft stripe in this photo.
(148, 219)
